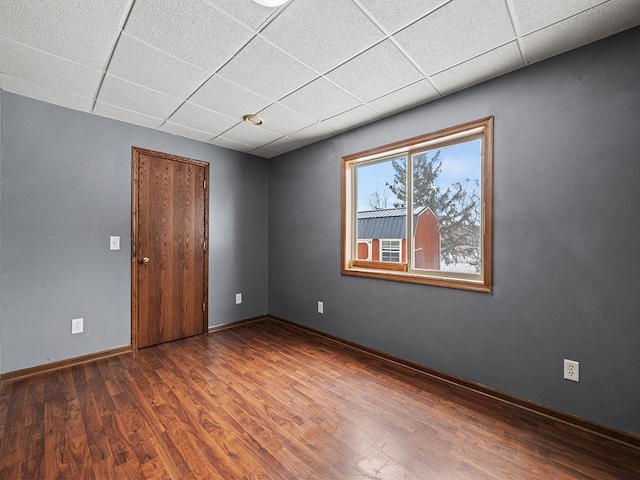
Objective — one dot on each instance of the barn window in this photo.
(420, 210)
(390, 250)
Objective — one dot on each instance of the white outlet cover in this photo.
(321, 307)
(77, 325)
(114, 243)
(238, 298)
(571, 370)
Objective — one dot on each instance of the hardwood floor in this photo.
(269, 401)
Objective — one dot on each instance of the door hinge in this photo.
(203, 307)
(204, 184)
(204, 246)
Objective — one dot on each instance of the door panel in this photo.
(170, 258)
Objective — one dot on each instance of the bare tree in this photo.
(377, 200)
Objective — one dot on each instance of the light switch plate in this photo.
(114, 243)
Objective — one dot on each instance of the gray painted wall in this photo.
(65, 188)
(566, 256)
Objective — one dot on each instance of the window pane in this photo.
(390, 250)
(447, 208)
(381, 210)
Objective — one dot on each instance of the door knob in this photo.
(145, 260)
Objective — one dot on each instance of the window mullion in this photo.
(409, 189)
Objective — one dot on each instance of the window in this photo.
(390, 250)
(439, 188)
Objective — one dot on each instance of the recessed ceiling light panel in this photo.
(252, 119)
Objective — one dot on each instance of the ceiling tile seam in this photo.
(474, 57)
(371, 17)
(287, 108)
(324, 75)
(319, 75)
(188, 128)
(266, 144)
(137, 113)
(145, 87)
(391, 93)
(256, 126)
(260, 27)
(30, 47)
(430, 12)
(120, 29)
(64, 92)
(415, 64)
(349, 110)
(518, 30)
(153, 47)
(564, 19)
(304, 128)
(231, 140)
(209, 77)
(399, 29)
(223, 64)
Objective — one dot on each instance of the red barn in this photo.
(382, 237)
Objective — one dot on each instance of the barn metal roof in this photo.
(387, 223)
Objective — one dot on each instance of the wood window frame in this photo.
(483, 281)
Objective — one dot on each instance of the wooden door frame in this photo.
(135, 155)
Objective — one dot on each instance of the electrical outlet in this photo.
(571, 370)
(114, 243)
(321, 307)
(76, 325)
(238, 298)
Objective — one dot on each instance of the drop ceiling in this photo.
(310, 69)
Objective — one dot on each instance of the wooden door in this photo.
(169, 257)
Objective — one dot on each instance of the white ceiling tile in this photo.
(35, 66)
(280, 146)
(364, 77)
(489, 65)
(193, 116)
(320, 99)
(50, 28)
(231, 144)
(225, 97)
(45, 93)
(117, 113)
(594, 24)
(246, 11)
(122, 93)
(395, 15)
(405, 98)
(265, 70)
(251, 135)
(183, 131)
(532, 16)
(351, 119)
(191, 30)
(457, 32)
(322, 34)
(47, 47)
(283, 120)
(141, 64)
(109, 12)
(313, 133)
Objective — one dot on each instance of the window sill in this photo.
(367, 269)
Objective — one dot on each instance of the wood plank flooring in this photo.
(269, 401)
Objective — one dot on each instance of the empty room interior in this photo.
(336, 239)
